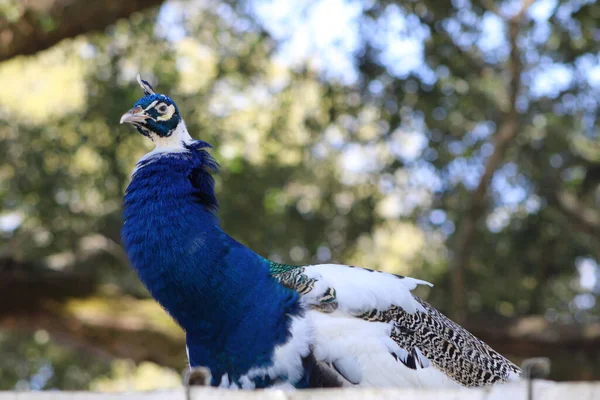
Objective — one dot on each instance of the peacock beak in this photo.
(136, 114)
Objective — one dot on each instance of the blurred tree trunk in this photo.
(508, 127)
(43, 23)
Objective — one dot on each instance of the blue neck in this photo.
(221, 293)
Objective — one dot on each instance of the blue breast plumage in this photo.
(221, 293)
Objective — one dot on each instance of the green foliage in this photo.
(33, 362)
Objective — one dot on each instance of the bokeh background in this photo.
(456, 142)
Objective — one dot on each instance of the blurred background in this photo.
(456, 142)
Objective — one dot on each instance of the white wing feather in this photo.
(361, 351)
(365, 350)
(359, 289)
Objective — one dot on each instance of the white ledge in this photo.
(542, 390)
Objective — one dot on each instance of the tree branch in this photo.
(25, 286)
(508, 129)
(44, 23)
(587, 218)
(119, 339)
(519, 16)
(534, 336)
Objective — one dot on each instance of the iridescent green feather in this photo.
(276, 268)
(293, 276)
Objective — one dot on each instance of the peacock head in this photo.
(156, 116)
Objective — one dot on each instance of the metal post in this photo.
(197, 376)
(535, 368)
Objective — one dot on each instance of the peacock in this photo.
(254, 323)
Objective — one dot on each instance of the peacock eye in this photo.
(162, 108)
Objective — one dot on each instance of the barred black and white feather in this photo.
(450, 347)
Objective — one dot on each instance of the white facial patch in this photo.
(168, 114)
